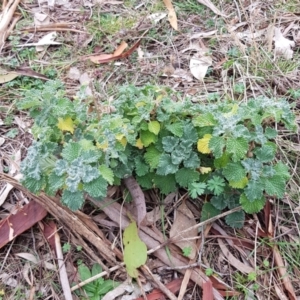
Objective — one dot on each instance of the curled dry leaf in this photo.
(172, 14)
(283, 45)
(199, 64)
(184, 220)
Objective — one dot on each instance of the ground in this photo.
(246, 50)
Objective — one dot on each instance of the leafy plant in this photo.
(97, 288)
(224, 150)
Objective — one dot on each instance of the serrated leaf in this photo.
(202, 144)
(73, 200)
(254, 190)
(238, 147)
(176, 129)
(165, 165)
(275, 186)
(208, 211)
(135, 250)
(147, 137)
(166, 184)
(89, 173)
(216, 185)
(71, 151)
(216, 145)
(107, 173)
(91, 156)
(55, 182)
(152, 157)
(66, 124)
(139, 144)
(282, 170)
(61, 167)
(185, 176)
(154, 127)
(96, 188)
(203, 120)
(252, 207)
(222, 162)
(196, 189)
(236, 219)
(193, 161)
(189, 132)
(219, 202)
(266, 153)
(170, 143)
(239, 184)
(270, 133)
(254, 167)
(234, 172)
(34, 185)
(146, 181)
(141, 168)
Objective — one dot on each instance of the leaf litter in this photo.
(230, 60)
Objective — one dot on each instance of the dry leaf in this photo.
(199, 64)
(6, 76)
(212, 7)
(121, 48)
(185, 219)
(234, 261)
(74, 73)
(41, 19)
(283, 45)
(172, 14)
(156, 17)
(46, 40)
(32, 258)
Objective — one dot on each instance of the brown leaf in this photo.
(184, 220)
(25, 218)
(234, 261)
(172, 14)
(138, 199)
(207, 290)
(212, 7)
(283, 273)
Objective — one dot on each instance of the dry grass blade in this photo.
(210, 5)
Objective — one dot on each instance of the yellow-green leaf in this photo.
(204, 170)
(202, 144)
(239, 184)
(135, 251)
(147, 137)
(139, 144)
(154, 127)
(66, 124)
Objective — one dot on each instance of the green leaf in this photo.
(96, 188)
(154, 127)
(216, 184)
(184, 177)
(135, 251)
(165, 165)
(107, 173)
(266, 153)
(219, 202)
(254, 190)
(254, 167)
(71, 151)
(208, 211)
(34, 185)
(196, 189)
(166, 184)
(203, 120)
(216, 145)
(146, 181)
(89, 173)
(170, 143)
(152, 157)
(236, 219)
(222, 162)
(176, 128)
(73, 200)
(61, 167)
(282, 170)
(96, 269)
(55, 183)
(238, 147)
(193, 161)
(270, 133)
(91, 156)
(275, 186)
(147, 137)
(252, 207)
(234, 172)
(189, 132)
(84, 272)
